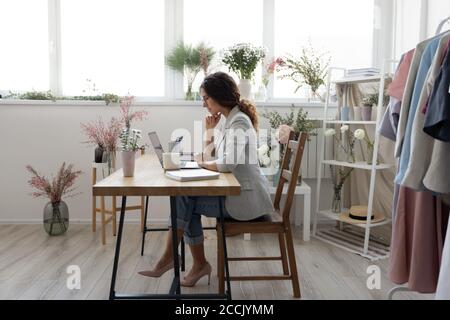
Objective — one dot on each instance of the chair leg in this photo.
(283, 253)
(114, 215)
(142, 214)
(292, 263)
(94, 213)
(220, 261)
(102, 206)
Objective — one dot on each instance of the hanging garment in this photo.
(439, 108)
(397, 86)
(422, 145)
(417, 240)
(424, 109)
(443, 287)
(422, 72)
(407, 95)
(437, 118)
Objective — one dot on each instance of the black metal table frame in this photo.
(175, 290)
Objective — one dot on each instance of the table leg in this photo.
(306, 216)
(117, 253)
(224, 241)
(176, 262)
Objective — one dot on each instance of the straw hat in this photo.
(358, 214)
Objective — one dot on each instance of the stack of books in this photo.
(362, 72)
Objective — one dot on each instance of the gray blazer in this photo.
(236, 152)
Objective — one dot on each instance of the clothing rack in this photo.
(404, 288)
(441, 24)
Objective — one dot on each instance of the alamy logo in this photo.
(74, 278)
(374, 279)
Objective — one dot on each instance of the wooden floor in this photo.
(33, 266)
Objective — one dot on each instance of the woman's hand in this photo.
(212, 121)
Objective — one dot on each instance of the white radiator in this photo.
(311, 156)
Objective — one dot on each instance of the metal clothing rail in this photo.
(441, 24)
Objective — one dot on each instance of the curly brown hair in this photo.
(222, 88)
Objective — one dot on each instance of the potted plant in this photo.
(129, 140)
(104, 136)
(242, 59)
(370, 101)
(189, 60)
(311, 68)
(56, 212)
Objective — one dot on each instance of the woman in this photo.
(232, 150)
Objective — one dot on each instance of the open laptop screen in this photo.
(156, 145)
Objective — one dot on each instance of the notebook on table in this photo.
(192, 175)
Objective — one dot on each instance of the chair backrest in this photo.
(290, 169)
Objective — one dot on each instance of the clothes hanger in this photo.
(441, 24)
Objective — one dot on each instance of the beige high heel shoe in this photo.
(190, 282)
(156, 273)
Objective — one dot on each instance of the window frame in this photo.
(173, 33)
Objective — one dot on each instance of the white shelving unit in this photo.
(357, 240)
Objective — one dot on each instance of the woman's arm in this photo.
(202, 162)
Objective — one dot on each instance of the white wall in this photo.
(46, 135)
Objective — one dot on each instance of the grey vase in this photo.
(128, 162)
(56, 218)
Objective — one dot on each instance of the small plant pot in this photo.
(357, 113)
(366, 113)
(128, 162)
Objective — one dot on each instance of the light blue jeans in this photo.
(190, 211)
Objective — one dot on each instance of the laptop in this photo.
(159, 152)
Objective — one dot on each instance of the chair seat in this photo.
(268, 223)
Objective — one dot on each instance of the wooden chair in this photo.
(278, 222)
(111, 212)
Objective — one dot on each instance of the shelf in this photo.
(357, 79)
(335, 216)
(357, 165)
(352, 240)
(350, 122)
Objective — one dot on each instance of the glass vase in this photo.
(56, 218)
(109, 162)
(336, 204)
(369, 155)
(98, 154)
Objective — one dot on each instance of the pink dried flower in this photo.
(271, 68)
(60, 186)
(105, 135)
(127, 115)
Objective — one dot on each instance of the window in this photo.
(118, 45)
(24, 52)
(221, 24)
(344, 29)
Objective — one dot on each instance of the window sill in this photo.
(156, 103)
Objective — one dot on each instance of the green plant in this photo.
(243, 58)
(310, 68)
(371, 99)
(32, 95)
(298, 122)
(189, 60)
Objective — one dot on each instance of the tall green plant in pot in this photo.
(243, 58)
(189, 61)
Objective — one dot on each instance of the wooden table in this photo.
(149, 180)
